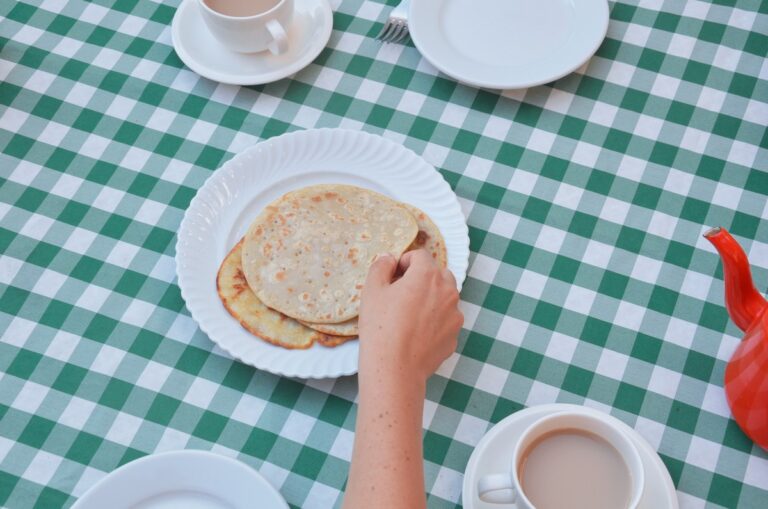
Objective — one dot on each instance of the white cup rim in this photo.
(251, 17)
(638, 481)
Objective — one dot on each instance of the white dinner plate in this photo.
(507, 44)
(493, 454)
(232, 197)
(182, 479)
(308, 34)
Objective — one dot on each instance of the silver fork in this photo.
(396, 27)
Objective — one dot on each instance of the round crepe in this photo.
(252, 314)
(307, 254)
(428, 237)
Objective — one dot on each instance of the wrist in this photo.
(384, 381)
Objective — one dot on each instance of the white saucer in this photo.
(493, 455)
(182, 479)
(200, 51)
(507, 44)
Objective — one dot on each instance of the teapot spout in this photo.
(743, 301)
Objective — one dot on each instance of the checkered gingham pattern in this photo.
(589, 280)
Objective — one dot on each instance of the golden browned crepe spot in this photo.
(331, 341)
(252, 314)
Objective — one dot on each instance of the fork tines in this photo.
(394, 30)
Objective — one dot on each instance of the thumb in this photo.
(382, 270)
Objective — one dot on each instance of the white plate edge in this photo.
(181, 453)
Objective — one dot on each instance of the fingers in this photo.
(405, 261)
(416, 258)
(382, 270)
(449, 277)
(460, 319)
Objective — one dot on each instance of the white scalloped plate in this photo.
(234, 194)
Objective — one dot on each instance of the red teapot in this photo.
(746, 376)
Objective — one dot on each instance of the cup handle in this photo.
(279, 42)
(496, 489)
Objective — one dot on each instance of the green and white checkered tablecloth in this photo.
(589, 281)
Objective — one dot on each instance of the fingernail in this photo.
(382, 255)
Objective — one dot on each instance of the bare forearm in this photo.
(407, 328)
(387, 467)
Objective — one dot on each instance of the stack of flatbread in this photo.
(296, 276)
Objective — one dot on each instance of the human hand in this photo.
(408, 327)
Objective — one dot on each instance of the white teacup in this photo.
(248, 26)
(507, 487)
